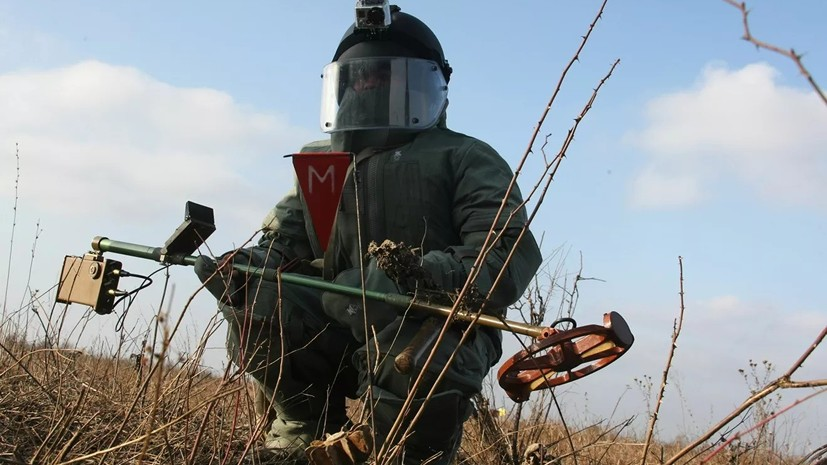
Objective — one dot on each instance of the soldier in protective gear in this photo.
(414, 182)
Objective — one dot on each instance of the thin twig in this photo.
(761, 424)
(13, 225)
(565, 427)
(676, 331)
(160, 320)
(28, 287)
(791, 54)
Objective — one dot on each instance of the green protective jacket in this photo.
(440, 192)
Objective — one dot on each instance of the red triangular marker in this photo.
(321, 178)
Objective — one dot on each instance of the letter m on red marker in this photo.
(321, 178)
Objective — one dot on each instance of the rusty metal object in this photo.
(560, 356)
(343, 448)
(411, 356)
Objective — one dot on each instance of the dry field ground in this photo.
(63, 406)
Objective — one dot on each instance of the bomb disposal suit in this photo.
(414, 182)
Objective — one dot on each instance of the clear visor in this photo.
(382, 93)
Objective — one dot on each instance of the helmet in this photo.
(405, 32)
(390, 81)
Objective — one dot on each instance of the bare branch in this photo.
(791, 54)
(781, 383)
(760, 424)
(676, 331)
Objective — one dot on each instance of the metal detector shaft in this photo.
(102, 244)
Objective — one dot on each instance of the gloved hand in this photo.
(450, 270)
(220, 279)
(349, 311)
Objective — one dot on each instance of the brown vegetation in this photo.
(63, 406)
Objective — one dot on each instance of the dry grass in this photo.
(64, 406)
(536, 440)
(61, 406)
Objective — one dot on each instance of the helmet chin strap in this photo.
(356, 141)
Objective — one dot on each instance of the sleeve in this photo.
(482, 178)
(285, 230)
(284, 237)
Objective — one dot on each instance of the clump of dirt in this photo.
(403, 265)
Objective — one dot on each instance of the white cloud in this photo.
(723, 307)
(96, 139)
(654, 188)
(109, 150)
(740, 125)
(752, 328)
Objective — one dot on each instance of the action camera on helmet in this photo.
(373, 14)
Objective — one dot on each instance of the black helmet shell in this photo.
(406, 36)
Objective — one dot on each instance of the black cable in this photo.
(147, 281)
(564, 320)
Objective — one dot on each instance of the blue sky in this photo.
(699, 145)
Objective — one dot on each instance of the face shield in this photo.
(382, 93)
